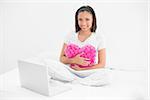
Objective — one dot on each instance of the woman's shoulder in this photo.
(70, 35)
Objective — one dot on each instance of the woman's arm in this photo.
(63, 58)
(101, 61)
(82, 61)
(75, 60)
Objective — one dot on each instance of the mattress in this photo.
(125, 85)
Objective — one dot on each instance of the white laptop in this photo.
(35, 77)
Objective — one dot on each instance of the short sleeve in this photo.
(67, 38)
(101, 42)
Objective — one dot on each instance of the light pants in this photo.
(93, 77)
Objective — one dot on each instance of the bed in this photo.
(124, 85)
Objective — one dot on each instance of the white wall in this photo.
(29, 28)
(126, 28)
(1, 41)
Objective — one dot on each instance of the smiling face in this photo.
(85, 21)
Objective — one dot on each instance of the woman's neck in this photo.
(85, 33)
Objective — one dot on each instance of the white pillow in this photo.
(58, 70)
(49, 55)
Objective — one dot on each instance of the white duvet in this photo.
(62, 72)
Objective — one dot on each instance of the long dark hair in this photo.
(91, 11)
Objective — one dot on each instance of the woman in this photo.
(85, 24)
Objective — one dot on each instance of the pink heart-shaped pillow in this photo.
(88, 51)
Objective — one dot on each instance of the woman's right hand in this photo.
(80, 60)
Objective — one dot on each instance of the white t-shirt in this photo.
(95, 40)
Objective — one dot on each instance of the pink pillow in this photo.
(88, 51)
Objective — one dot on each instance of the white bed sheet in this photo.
(125, 85)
